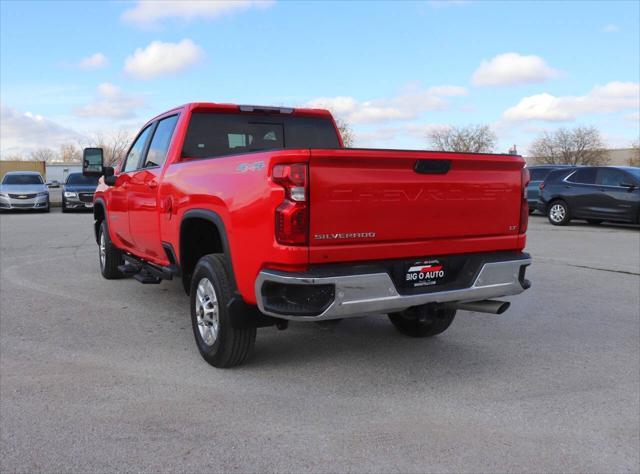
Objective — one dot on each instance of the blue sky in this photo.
(394, 70)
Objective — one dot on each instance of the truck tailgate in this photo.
(379, 204)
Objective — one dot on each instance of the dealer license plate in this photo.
(428, 272)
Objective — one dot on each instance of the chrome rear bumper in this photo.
(371, 293)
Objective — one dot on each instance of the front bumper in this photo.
(38, 202)
(81, 201)
(371, 293)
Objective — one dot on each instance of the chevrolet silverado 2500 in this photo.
(267, 218)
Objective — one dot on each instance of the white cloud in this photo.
(149, 13)
(610, 28)
(634, 117)
(160, 58)
(513, 68)
(95, 61)
(111, 102)
(22, 132)
(407, 105)
(612, 97)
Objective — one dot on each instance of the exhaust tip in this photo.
(503, 307)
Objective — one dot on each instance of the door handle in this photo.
(152, 184)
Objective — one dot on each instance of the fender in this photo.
(100, 202)
(243, 315)
(217, 221)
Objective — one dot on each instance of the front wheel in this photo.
(423, 321)
(558, 213)
(219, 343)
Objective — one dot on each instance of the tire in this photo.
(594, 221)
(109, 256)
(64, 207)
(559, 213)
(219, 343)
(423, 321)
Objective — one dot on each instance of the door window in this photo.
(136, 151)
(159, 146)
(611, 177)
(583, 176)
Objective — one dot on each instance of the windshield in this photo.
(81, 180)
(214, 134)
(22, 179)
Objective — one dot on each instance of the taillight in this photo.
(541, 186)
(524, 206)
(292, 216)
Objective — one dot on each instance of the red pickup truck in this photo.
(267, 218)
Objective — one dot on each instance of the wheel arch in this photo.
(99, 215)
(202, 232)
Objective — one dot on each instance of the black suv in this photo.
(77, 192)
(537, 174)
(596, 194)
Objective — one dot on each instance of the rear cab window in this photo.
(212, 134)
(159, 146)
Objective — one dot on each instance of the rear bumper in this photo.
(343, 296)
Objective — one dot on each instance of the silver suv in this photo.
(24, 190)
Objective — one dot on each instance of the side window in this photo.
(135, 153)
(610, 177)
(159, 147)
(583, 176)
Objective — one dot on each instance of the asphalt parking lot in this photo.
(100, 375)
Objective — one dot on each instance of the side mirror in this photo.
(109, 176)
(92, 162)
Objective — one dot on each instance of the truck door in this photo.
(143, 194)
(119, 193)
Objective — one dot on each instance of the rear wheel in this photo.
(558, 213)
(110, 256)
(423, 321)
(219, 343)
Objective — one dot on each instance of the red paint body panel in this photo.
(472, 208)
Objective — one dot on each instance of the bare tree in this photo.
(577, 146)
(114, 145)
(70, 153)
(634, 160)
(15, 157)
(346, 132)
(469, 139)
(43, 154)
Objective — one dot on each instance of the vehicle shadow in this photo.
(371, 346)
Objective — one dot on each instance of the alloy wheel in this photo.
(207, 311)
(557, 213)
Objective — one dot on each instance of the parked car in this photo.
(267, 219)
(537, 175)
(77, 192)
(24, 190)
(595, 194)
